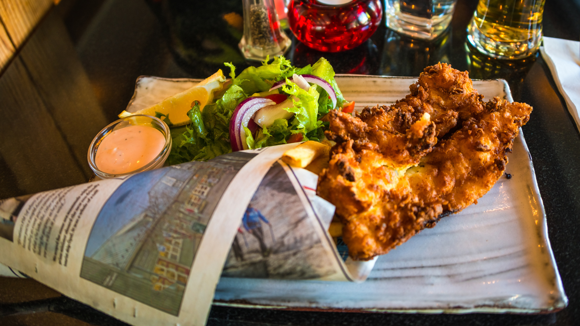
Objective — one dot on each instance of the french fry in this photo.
(303, 154)
(320, 163)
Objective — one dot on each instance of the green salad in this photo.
(275, 103)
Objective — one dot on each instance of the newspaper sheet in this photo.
(150, 248)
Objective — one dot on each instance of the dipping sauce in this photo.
(129, 149)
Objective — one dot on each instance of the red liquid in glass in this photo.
(334, 28)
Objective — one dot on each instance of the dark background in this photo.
(77, 70)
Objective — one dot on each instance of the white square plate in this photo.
(493, 257)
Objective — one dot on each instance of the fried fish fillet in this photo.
(388, 182)
(408, 130)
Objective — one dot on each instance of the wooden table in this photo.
(76, 72)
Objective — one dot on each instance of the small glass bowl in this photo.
(134, 120)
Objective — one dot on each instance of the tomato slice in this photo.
(349, 108)
(295, 138)
(278, 98)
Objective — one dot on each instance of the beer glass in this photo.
(507, 29)
(422, 19)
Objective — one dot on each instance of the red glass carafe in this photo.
(334, 25)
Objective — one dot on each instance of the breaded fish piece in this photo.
(454, 175)
(409, 129)
(386, 190)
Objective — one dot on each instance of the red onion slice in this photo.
(313, 80)
(253, 126)
(242, 115)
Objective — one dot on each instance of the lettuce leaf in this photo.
(276, 134)
(249, 138)
(306, 108)
(259, 79)
(323, 69)
(324, 103)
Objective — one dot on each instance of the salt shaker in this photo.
(263, 35)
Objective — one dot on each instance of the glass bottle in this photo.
(263, 35)
(334, 25)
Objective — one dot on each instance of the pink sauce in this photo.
(128, 149)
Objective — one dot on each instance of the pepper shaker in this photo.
(263, 35)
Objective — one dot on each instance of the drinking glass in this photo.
(507, 29)
(422, 19)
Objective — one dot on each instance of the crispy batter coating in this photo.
(446, 94)
(388, 182)
(378, 128)
(408, 130)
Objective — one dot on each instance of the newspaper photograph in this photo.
(144, 247)
(273, 244)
